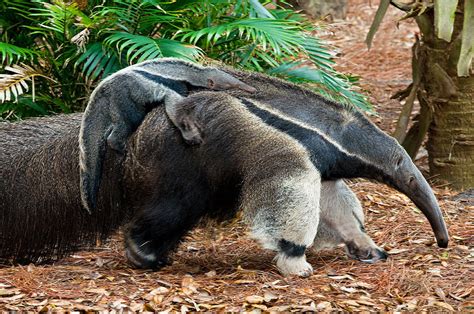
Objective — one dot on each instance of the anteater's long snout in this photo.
(247, 88)
(410, 181)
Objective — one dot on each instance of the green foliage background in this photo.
(53, 53)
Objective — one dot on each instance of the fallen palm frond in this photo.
(15, 83)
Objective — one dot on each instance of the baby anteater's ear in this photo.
(190, 130)
(211, 84)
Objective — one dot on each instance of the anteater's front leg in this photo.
(286, 219)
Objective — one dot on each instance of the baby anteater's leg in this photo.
(342, 221)
(117, 139)
(286, 219)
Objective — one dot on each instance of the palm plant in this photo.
(443, 84)
(70, 46)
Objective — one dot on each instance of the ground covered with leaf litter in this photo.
(218, 268)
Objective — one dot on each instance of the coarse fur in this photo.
(47, 147)
(120, 102)
(342, 222)
(312, 126)
(40, 216)
(240, 160)
(217, 176)
(342, 142)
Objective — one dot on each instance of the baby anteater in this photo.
(119, 104)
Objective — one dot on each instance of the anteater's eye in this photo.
(399, 161)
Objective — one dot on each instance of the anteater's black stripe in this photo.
(331, 162)
(177, 85)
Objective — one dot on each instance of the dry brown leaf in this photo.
(188, 285)
(98, 291)
(304, 291)
(136, 306)
(36, 303)
(254, 299)
(177, 299)
(444, 305)
(219, 306)
(211, 273)
(397, 251)
(440, 293)
(361, 284)
(306, 301)
(12, 298)
(148, 308)
(350, 302)
(349, 290)
(323, 306)
(158, 299)
(159, 290)
(269, 297)
(306, 308)
(205, 305)
(243, 281)
(59, 303)
(466, 292)
(7, 292)
(365, 302)
(279, 308)
(341, 277)
(260, 307)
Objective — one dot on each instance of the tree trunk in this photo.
(450, 100)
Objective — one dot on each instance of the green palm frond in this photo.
(57, 17)
(258, 10)
(11, 53)
(317, 52)
(79, 46)
(138, 17)
(139, 48)
(16, 8)
(15, 83)
(127, 14)
(326, 82)
(276, 35)
(98, 61)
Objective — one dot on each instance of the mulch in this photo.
(218, 268)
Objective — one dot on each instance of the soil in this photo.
(218, 268)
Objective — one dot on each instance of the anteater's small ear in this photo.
(191, 131)
(211, 84)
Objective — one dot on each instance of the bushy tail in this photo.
(40, 207)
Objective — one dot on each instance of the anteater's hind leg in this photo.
(342, 221)
(156, 231)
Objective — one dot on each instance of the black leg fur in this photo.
(158, 229)
(156, 232)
